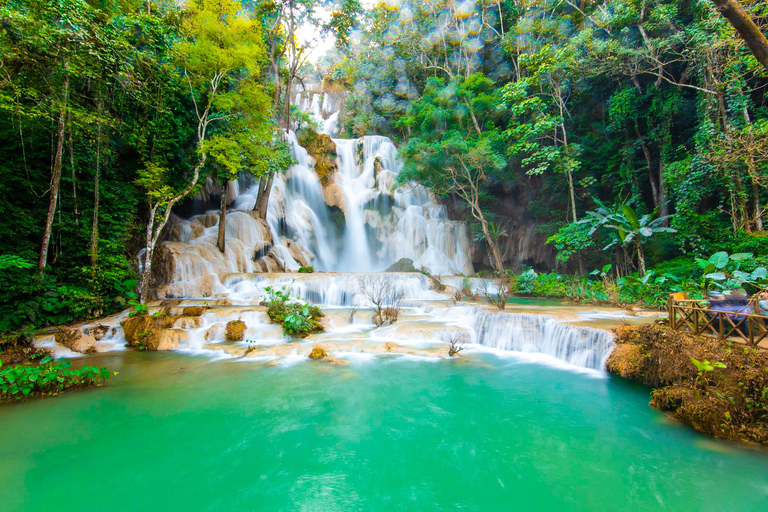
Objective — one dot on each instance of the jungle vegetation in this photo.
(634, 129)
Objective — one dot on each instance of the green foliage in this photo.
(299, 320)
(728, 272)
(571, 239)
(306, 270)
(705, 366)
(50, 377)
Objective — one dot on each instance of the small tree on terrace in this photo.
(385, 296)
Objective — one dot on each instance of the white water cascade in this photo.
(538, 334)
(381, 224)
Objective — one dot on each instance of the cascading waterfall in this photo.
(357, 221)
(540, 334)
(355, 186)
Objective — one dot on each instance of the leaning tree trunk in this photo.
(262, 201)
(747, 29)
(55, 176)
(221, 240)
(497, 261)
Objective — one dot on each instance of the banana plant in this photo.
(626, 228)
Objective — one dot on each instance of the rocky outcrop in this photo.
(322, 148)
(149, 332)
(402, 265)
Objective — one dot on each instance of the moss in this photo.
(235, 330)
(729, 403)
(402, 265)
(144, 331)
(318, 353)
(193, 311)
(323, 150)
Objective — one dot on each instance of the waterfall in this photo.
(355, 185)
(540, 334)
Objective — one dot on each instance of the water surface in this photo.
(173, 432)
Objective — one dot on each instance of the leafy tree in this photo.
(222, 54)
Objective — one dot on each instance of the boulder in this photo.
(402, 265)
(147, 332)
(76, 340)
(318, 353)
(193, 311)
(235, 331)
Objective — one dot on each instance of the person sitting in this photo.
(734, 303)
(762, 303)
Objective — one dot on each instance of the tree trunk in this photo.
(664, 204)
(497, 261)
(747, 29)
(153, 232)
(55, 175)
(221, 242)
(262, 201)
(96, 177)
(74, 176)
(572, 195)
(640, 258)
(651, 177)
(757, 205)
(568, 172)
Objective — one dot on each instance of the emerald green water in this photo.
(483, 433)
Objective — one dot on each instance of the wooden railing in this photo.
(693, 316)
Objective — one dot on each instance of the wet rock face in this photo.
(322, 148)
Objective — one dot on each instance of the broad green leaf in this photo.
(719, 259)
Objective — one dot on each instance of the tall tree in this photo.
(223, 50)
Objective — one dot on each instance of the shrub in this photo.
(297, 319)
(306, 270)
(20, 381)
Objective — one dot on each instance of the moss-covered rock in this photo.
(402, 265)
(318, 353)
(147, 332)
(235, 330)
(729, 402)
(193, 311)
(322, 148)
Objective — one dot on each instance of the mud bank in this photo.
(725, 396)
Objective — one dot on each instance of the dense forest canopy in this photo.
(631, 132)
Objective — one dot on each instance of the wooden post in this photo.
(671, 311)
(720, 321)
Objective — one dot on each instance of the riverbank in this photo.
(29, 372)
(716, 387)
